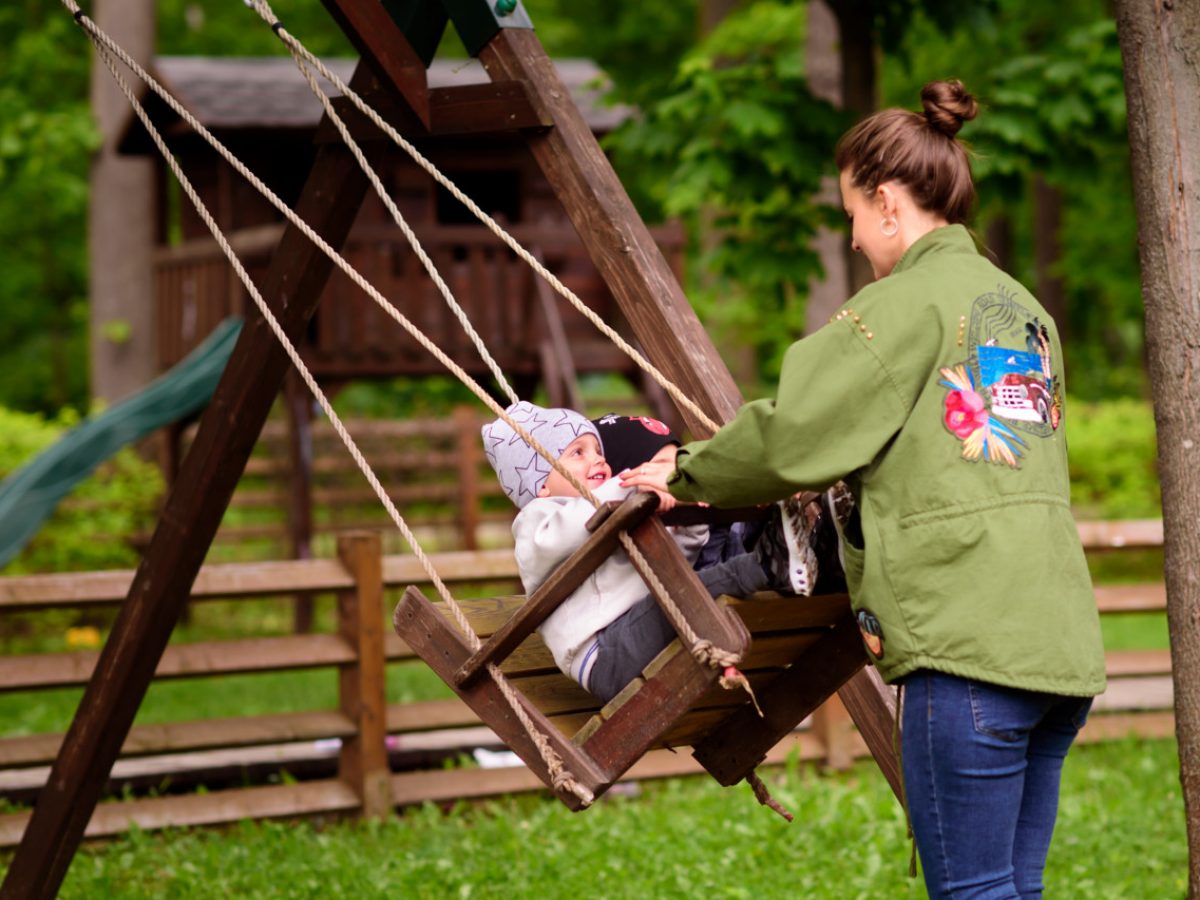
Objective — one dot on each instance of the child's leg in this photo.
(626, 646)
(736, 577)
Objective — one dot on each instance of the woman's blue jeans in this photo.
(981, 774)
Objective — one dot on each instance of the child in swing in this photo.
(610, 628)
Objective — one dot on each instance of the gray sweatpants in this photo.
(630, 642)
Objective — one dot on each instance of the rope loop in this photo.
(763, 796)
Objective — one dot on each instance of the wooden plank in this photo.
(1156, 692)
(549, 596)
(1121, 534)
(774, 612)
(731, 751)
(258, 579)
(429, 715)
(178, 737)
(618, 241)
(190, 810)
(640, 722)
(1128, 598)
(203, 658)
(425, 630)
(1159, 725)
(1119, 663)
(230, 580)
(191, 515)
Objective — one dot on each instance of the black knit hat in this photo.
(631, 440)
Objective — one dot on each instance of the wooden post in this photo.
(230, 425)
(362, 685)
(470, 455)
(299, 487)
(833, 725)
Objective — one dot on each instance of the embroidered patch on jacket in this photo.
(1007, 384)
(872, 632)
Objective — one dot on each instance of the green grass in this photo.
(1120, 834)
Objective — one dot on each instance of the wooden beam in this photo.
(619, 242)
(468, 109)
(228, 429)
(872, 706)
(385, 48)
(732, 750)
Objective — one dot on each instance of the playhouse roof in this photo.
(236, 93)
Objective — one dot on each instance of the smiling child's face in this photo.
(583, 459)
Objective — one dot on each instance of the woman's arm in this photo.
(836, 407)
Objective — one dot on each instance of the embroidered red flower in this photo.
(965, 412)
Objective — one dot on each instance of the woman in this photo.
(937, 395)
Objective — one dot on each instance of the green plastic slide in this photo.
(29, 495)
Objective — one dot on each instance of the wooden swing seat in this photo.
(795, 651)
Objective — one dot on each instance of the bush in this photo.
(94, 526)
(1113, 454)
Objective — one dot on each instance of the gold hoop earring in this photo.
(889, 226)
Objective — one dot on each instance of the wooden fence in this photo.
(434, 471)
(363, 726)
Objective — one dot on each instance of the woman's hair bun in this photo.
(947, 105)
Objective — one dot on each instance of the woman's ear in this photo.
(886, 196)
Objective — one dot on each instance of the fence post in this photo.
(835, 729)
(470, 455)
(363, 762)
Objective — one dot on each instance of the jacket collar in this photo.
(948, 238)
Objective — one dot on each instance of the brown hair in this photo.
(919, 151)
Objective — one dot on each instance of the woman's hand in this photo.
(652, 477)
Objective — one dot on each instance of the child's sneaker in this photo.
(784, 549)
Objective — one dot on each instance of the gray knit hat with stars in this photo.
(520, 468)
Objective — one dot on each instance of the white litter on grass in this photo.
(496, 759)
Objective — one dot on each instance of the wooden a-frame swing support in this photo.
(396, 40)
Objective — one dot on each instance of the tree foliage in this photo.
(1050, 83)
(46, 139)
(737, 146)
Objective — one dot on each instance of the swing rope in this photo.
(300, 52)
(703, 651)
(561, 778)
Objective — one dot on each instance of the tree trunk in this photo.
(1162, 86)
(860, 93)
(824, 67)
(714, 12)
(121, 221)
(1047, 251)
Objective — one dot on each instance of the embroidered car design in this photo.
(1022, 397)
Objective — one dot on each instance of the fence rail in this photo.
(364, 725)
